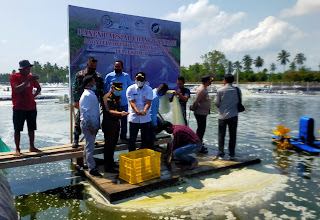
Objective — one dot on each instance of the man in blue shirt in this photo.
(119, 75)
(157, 94)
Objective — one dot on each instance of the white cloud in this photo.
(302, 7)
(54, 53)
(201, 23)
(271, 32)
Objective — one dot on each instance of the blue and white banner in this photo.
(142, 44)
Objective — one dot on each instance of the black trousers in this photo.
(202, 124)
(146, 135)
(111, 129)
(232, 124)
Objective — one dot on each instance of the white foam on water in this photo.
(239, 188)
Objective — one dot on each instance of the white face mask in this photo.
(140, 84)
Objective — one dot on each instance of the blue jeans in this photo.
(182, 152)
(89, 149)
(124, 121)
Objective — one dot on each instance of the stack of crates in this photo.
(306, 130)
(138, 166)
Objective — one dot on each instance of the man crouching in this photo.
(185, 142)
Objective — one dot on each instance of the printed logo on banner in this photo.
(106, 20)
(155, 28)
(123, 24)
(139, 24)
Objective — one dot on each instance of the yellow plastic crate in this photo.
(140, 165)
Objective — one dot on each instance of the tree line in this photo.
(47, 73)
(215, 63)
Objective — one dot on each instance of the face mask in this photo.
(117, 92)
(117, 70)
(91, 70)
(94, 88)
(160, 93)
(140, 84)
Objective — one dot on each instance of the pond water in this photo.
(285, 185)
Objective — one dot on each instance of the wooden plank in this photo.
(61, 152)
(207, 165)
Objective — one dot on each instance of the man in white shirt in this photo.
(140, 97)
(90, 122)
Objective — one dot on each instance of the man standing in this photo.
(24, 106)
(183, 94)
(77, 90)
(227, 101)
(185, 142)
(139, 96)
(119, 75)
(90, 122)
(154, 109)
(111, 124)
(201, 108)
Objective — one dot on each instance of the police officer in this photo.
(77, 90)
(111, 124)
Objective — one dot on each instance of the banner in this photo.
(142, 44)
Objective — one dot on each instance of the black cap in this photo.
(23, 64)
(141, 76)
(206, 78)
(117, 85)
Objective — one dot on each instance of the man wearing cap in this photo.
(154, 109)
(112, 114)
(119, 75)
(201, 108)
(77, 90)
(139, 96)
(24, 106)
(227, 101)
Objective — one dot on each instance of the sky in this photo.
(37, 30)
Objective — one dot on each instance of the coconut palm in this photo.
(300, 58)
(247, 62)
(273, 67)
(258, 62)
(238, 67)
(292, 66)
(283, 57)
(229, 67)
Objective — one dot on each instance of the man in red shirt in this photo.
(185, 142)
(24, 106)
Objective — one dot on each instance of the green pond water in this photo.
(284, 186)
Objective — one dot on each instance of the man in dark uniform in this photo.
(77, 90)
(111, 124)
(183, 94)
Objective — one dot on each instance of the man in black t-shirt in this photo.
(183, 94)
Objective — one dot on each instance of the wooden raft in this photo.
(62, 152)
(114, 189)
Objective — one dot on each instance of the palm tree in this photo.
(258, 62)
(229, 67)
(273, 67)
(238, 67)
(247, 62)
(292, 66)
(300, 58)
(283, 57)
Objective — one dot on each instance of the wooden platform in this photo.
(62, 152)
(114, 189)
